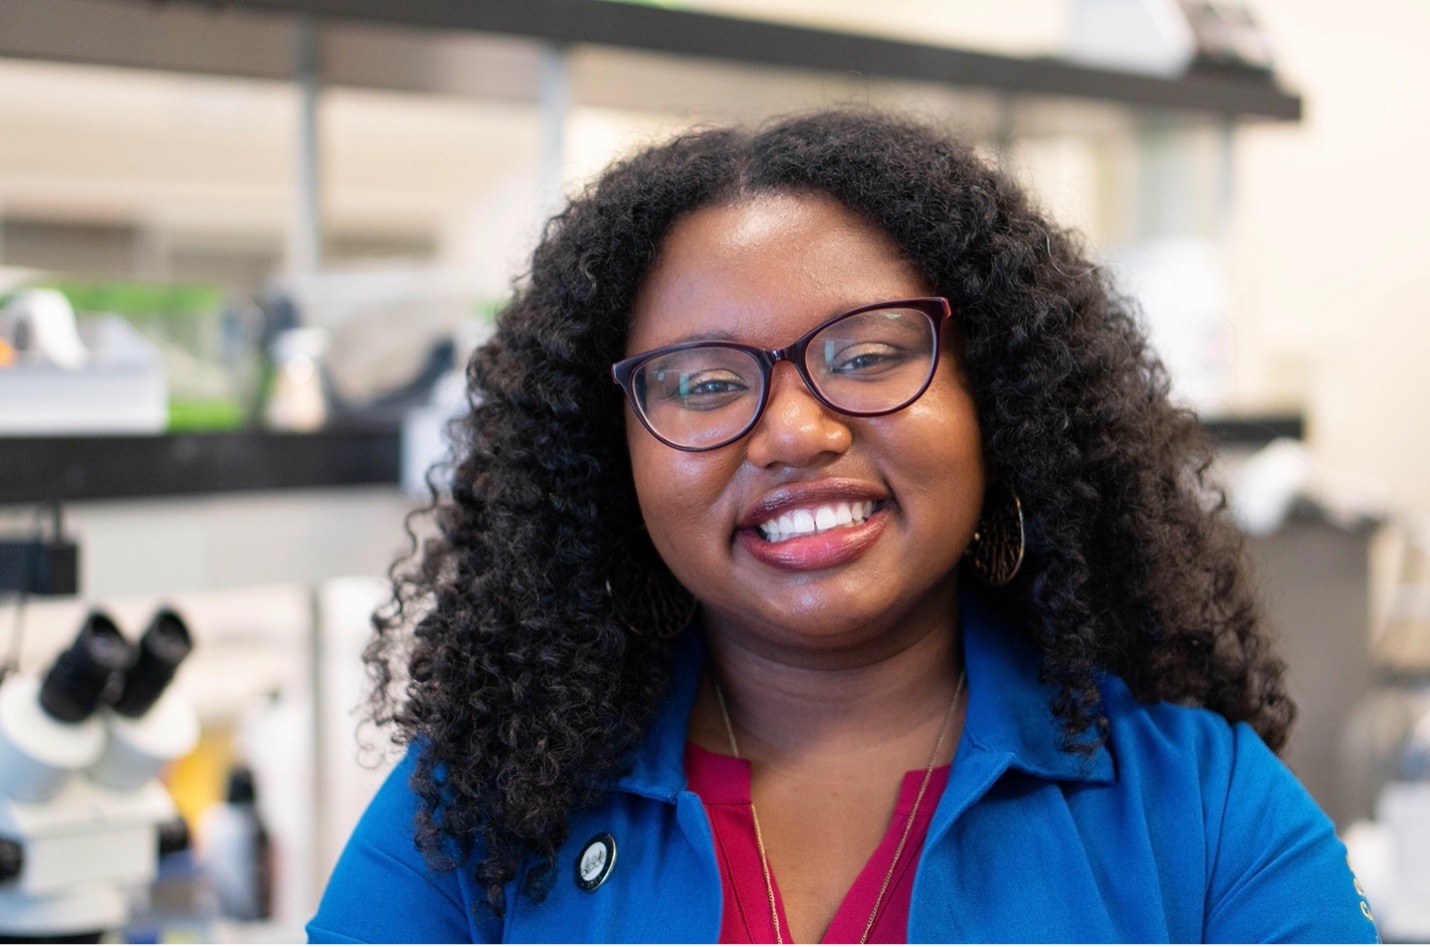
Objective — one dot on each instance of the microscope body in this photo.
(82, 803)
(84, 850)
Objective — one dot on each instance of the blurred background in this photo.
(246, 246)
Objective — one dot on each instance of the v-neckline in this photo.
(723, 784)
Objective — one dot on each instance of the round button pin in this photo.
(597, 857)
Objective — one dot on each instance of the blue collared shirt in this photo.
(1181, 828)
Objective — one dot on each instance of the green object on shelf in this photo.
(215, 415)
(210, 349)
(141, 300)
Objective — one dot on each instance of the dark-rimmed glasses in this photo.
(866, 362)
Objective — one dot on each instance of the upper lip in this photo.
(813, 493)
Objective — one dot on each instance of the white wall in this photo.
(1331, 235)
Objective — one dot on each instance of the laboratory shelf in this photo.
(44, 469)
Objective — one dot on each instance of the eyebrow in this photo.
(701, 337)
(723, 336)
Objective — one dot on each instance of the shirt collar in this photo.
(659, 763)
(1008, 708)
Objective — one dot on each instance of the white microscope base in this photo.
(80, 910)
(87, 833)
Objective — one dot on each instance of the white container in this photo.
(1180, 285)
(1147, 36)
(121, 389)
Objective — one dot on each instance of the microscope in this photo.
(83, 815)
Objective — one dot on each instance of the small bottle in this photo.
(296, 399)
(237, 853)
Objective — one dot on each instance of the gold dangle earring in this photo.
(996, 552)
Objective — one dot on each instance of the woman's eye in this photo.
(701, 391)
(866, 360)
(711, 386)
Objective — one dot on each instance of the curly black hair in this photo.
(514, 651)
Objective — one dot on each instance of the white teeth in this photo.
(819, 519)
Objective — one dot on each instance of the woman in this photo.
(882, 598)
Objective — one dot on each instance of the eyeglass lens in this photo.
(870, 362)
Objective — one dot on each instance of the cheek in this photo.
(947, 411)
(679, 494)
(946, 457)
(686, 532)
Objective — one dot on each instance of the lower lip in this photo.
(819, 550)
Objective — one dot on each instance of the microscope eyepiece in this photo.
(84, 675)
(164, 644)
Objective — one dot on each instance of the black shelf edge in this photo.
(1250, 95)
(1254, 431)
(66, 469)
(69, 469)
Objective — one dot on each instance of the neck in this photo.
(789, 710)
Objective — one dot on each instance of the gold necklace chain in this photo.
(908, 824)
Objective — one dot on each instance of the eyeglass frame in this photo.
(623, 371)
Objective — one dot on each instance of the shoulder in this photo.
(1266, 844)
(1157, 741)
(1159, 748)
(1190, 764)
(382, 889)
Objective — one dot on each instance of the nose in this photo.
(796, 428)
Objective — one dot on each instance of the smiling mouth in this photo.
(812, 520)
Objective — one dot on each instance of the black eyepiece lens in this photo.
(163, 646)
(83, 676)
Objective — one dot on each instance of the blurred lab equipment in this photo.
(296, 401)
(83, 815)
(40, 323)
(1167, 37)
(67, 376)
(373, 344)
(1404, 809)
(1149, 36)
(1385, 748)
(237, 852)
(40, 563)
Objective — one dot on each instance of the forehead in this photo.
(764, 270)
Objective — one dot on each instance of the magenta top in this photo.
(723, 784)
